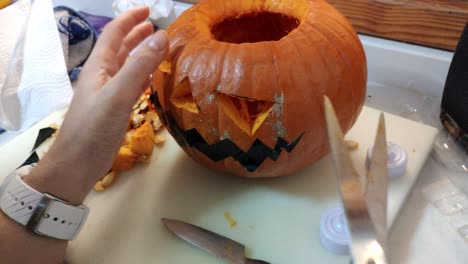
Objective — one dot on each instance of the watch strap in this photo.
(41, 213)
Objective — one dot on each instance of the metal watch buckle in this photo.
(40, 210)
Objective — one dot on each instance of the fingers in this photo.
(128, 83)
(115, 32)
(131, 41)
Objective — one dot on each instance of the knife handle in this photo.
(255, 261)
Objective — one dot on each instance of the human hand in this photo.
(108, 86)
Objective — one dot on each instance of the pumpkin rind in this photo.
(321, 56)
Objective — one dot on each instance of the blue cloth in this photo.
(78, 36)
(98, 22)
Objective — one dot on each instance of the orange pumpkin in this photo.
(247, 78)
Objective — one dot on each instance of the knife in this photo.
(364, 197)
(377, 184)
(215, 244)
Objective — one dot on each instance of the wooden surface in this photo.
(434, 23)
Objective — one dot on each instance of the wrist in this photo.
(59, 179)
(41, 213)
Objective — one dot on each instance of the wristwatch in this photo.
(40, 213)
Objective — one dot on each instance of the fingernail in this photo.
(158, 41)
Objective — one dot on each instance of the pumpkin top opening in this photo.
(254, 27)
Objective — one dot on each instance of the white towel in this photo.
(158, 8)
(33, 75)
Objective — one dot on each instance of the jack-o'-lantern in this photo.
(242, 88)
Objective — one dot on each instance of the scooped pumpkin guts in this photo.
(244, 90)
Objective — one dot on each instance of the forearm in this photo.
(21, 246)
(67, 177)
(95, 125)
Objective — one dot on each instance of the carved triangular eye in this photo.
(182, 97)
(247, 114)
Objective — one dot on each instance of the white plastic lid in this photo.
(397, 159)
(334, 231)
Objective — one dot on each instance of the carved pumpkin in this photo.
(242, 88)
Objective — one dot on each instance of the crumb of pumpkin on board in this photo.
(231, 221)
(352, 144)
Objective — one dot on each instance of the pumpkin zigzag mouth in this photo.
(224, 148)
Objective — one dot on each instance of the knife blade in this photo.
(377, 183)
(211, 242)
(365, 247)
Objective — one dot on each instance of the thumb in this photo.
(129, 81)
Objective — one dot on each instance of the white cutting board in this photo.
(278, 219)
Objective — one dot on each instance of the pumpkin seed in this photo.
(137, 119)
(143, 105)
(109, 179)
(158, 139)
(98, 186)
